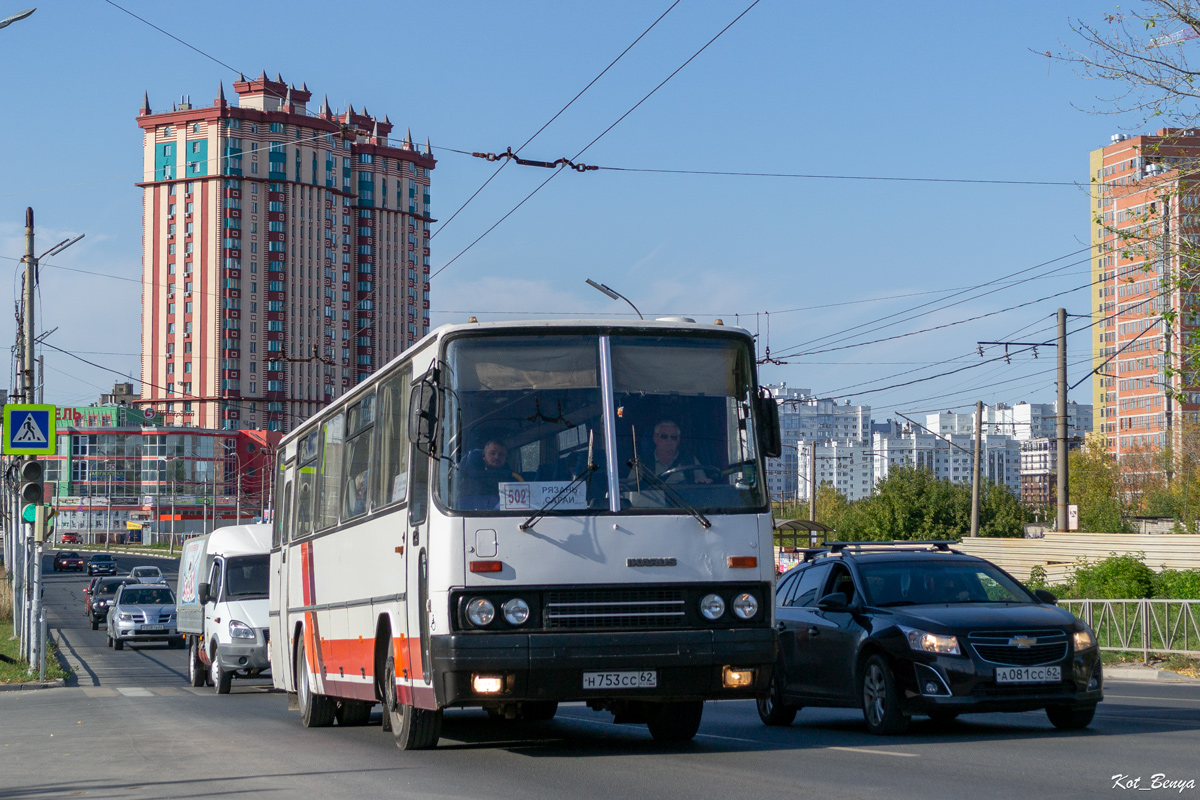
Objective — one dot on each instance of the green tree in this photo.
(1095, 486)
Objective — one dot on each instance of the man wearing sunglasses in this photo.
(668, 458)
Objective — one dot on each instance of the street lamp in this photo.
(614, 294)
(17, 17)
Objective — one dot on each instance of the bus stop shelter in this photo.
(793, 537)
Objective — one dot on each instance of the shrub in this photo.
(1114, 578)
(1173, 584)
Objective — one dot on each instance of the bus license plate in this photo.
(149, 628)
(1028, 674)
(632, 679)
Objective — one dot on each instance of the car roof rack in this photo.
(893, 546)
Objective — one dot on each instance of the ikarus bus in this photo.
(512, 516)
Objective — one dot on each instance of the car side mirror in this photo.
(202, 593)
(834, 601)
(1046, 597)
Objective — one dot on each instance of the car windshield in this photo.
(100, 558)
(108, 588)
(931, 581)
(247, 576)
(524, 426)
(69, 555)
(147, 597)
(145, 572)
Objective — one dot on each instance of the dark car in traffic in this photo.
(102, 564)
(101, 597)
(917, 628)
(68, 559)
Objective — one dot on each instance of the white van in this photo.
(222, 604)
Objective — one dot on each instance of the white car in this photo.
(148, 575)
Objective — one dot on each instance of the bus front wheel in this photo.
(674, 722)
(414, 728)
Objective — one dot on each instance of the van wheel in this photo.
(414, 728)
(674, 722)
(196, 672)
(217, 675)
(316, 710)
(351, 713)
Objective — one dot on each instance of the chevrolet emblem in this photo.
(1022, 642)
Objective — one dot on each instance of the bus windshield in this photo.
(524, 426)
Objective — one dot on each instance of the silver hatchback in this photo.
(142, 613)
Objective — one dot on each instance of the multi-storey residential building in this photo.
(1039, 470)
(805, 418)
(1000, 457)
(848, 467)
(285, 254)
(1021, 421)
(1145, 209)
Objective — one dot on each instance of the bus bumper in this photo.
(551, 666)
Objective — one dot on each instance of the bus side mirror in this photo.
(422, 415)
(770, 440)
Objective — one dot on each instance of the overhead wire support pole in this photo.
(975, 469)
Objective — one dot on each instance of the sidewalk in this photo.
(1135, 672)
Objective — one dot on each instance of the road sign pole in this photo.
(30, 330)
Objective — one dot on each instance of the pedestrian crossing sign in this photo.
(29, 430)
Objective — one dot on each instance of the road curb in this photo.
(1146, 674)
(17, 687)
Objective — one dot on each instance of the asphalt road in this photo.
(133, 728)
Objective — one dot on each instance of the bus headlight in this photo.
(481, 612)
(712, 606)
(516, 611)
(745, 605)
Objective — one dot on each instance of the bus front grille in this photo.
(593, 609)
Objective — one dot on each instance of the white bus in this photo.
(510, 516)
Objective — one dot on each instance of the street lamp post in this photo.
(614, 294)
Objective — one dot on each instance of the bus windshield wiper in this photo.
(643, 471)
(565, 491)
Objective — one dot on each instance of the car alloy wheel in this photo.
(772, 710)
(881, 702)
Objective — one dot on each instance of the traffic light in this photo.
(31, 475)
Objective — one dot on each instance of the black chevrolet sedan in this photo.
(919, 629)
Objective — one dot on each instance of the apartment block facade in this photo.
(285, 255)
(1145, 210)
(804, 418)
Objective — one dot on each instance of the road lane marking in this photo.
(135, 691)
(874, 752)
(98, 691)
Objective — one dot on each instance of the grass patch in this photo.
(1172, 662)
(11, 648)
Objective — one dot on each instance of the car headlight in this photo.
(1084, 641)
(516, 611)
(931, 642)
(240, 630)
(125, 617)
(712, 606)
(481, 612)
(745, 605)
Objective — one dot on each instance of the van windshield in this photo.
(247, 576)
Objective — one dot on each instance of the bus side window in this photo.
(330, 483)
(357, 472)
(391, 483)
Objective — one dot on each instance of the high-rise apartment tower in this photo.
(285, 255)
(1145, 209)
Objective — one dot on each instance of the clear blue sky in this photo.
(936, 90)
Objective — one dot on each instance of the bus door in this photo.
(279, 591)
(417, 556)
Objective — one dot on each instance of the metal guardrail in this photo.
(1145, 626)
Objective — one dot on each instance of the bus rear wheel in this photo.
(414, 728)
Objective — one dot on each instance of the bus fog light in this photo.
(745, 605)
(481, 612)
(487, 684)
(737, 678)
(712, 606)
(516, 611)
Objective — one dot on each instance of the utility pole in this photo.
(31, 464)
(812, 481)
(975, 469)
(171, 546)
(237, 519)
(1063, 499)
